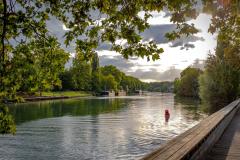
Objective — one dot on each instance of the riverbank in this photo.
(66, 93)
(57, 95)
(21, 97)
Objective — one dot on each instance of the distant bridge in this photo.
(217, 137)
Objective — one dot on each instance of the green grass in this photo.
(67, 93)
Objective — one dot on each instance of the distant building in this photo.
(121, 93)
(108, 93)
(138, 92)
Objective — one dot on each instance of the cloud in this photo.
(144, 72)
(118, 61)
(154, 74)
(187, 46)
(186, 42)
(157, 33)
(65, 28)
(154, 32)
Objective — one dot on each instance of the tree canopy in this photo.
(106, 78)
(34, 66)
(92, 22)
(220, 82)
(187, 85)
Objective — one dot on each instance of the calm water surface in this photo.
(97, 128)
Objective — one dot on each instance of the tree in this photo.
(160, 86)
(95, 63)
(81, 73)
(188, 85)
(112, 70)
(119, 19)
(176, 85)
(108, 83)
(50, 62)
(37, 65)
(96, 84)
(67, 79)
(220, 82)
(131, 84)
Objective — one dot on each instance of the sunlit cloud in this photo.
(65, 28)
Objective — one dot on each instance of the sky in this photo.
(177, 55)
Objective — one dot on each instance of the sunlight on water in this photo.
(97, 128)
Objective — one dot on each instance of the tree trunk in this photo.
(2, 56)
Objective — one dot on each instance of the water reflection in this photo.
(195, 108)
(99, 128)
(74, 107)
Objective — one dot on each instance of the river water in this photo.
(97, 128)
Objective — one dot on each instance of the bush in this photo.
(219, 84)
(7, 124)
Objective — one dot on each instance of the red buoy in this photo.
(167, 115)
(167, 112)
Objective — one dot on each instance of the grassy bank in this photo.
(65, 93)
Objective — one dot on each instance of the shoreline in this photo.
(43, 98)
(47, 96)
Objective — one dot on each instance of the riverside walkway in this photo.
(228, 146)
(217, 137)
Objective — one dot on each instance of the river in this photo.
(100, 128)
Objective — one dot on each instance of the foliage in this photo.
(34, 66)
(176, 85)
(96, 73)
(127, 83)
(98, 21)
(66, 78)
(37, 65)
(7, 124)
(187, 85)
(81, 73)
(131, 84)
(160, 86)
(105, 78)
(108, 83)
(96, 82)
(50, 61)
(112, 70)
(220, 82)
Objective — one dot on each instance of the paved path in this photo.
(228, 146)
